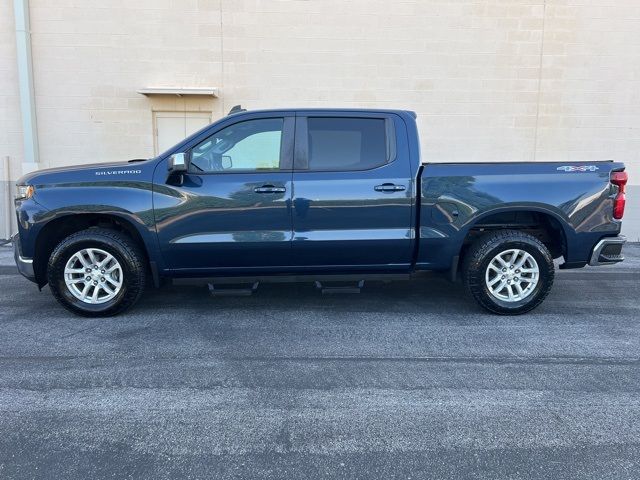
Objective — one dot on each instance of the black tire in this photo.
(123, 249)
(484, 249)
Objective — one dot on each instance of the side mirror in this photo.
(177, 163)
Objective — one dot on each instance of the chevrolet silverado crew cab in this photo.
(318, 195)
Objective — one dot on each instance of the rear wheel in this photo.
(96, 272)
(508, 272)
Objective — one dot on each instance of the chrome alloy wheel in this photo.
(93, 276)
(512, 275)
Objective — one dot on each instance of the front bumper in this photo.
(25, 265)
(608, 251)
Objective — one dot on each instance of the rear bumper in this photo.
(25, 265)
(608, 251)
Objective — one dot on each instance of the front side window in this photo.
(337, 143)
(253, 145)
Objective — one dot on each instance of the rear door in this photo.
(352, 201)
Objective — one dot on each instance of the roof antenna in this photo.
(237, 109)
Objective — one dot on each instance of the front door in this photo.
(352, 192)
(232, 210)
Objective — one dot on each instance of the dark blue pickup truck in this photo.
(325, 195)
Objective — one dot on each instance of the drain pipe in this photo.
(27, 95)
(8, 200)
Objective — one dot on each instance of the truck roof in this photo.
(237, 111)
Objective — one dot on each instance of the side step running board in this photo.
(218, 291)
(332, 289)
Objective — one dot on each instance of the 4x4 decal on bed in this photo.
(578, 168)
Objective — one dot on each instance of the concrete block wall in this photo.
(491, 80)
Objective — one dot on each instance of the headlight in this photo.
(24, 192)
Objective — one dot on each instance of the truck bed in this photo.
(455, 198)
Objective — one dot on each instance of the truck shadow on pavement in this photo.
(435, 294)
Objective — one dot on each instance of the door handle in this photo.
(389, 187)
(269, 189)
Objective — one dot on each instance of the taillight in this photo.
(620, 180)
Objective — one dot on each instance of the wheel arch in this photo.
(548, 226)
(57, 229)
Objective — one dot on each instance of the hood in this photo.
(97, 169)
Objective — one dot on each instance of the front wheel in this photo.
(96, 272)
(508, 272)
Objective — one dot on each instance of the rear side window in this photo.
(338, 144)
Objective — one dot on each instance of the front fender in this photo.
(130, 205)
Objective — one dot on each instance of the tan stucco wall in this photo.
(491, 80)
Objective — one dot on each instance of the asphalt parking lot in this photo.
(408, 380)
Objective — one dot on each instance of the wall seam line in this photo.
(535, 134)
(222, 92)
